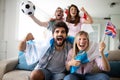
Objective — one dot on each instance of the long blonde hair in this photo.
(75, 48)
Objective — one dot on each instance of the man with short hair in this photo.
(52, 65)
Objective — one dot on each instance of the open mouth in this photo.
(60, 38)
(73, 13)
(82, 45)
(58, 15)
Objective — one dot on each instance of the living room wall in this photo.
(9, 20)
(114, 43)
(8, 27)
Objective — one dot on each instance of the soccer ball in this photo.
(27, 7)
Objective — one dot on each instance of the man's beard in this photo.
(60, 45)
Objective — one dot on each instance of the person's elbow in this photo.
(107, 69)
(90, 21)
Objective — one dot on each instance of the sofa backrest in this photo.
(114, 55)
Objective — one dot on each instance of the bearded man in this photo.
(52, 65)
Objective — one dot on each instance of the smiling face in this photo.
(59, 36)
(73, 11)
(59, 13)
(81, 41)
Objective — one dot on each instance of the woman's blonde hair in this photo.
(75, 48)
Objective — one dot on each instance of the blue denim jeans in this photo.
(52, 76)
(97, 76)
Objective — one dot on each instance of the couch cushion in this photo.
(114, 78)
(17, 75)
(114, 55)
(115, 69)
(22, 64)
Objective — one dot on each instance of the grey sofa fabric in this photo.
(8, 71)
(17, 75)
(7, 66)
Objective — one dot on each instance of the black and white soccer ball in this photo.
(27, 7)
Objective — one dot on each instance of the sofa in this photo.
(8, 69)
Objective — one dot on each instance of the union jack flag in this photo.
(110, 30)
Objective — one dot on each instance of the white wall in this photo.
(102, 24)
(1, 18)
(114, 43)
(9, 25)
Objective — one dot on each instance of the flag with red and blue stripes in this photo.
(110, 30)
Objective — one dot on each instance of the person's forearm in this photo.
(22, 46)
(89, 18)
(44, 24)
(105, 62)
(68, 66)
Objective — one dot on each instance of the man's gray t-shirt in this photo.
(51, 25)
(57, 62)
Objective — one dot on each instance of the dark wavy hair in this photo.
(60, 24)
(77, 17)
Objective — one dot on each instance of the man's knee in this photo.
(36, 75)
